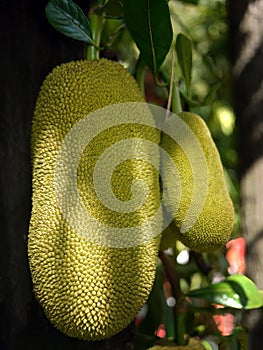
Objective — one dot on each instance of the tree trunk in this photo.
(29, 48)
(246, 22)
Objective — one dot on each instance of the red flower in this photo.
(236, 250)
(235, 255)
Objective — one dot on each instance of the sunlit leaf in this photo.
(184, 54)
(209, 344)
(150, 26)
(236, 291)
(67, 18)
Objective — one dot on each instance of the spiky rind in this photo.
(87, 290)
(213, 226)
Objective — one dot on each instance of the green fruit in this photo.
(88, 290)
(214, 220)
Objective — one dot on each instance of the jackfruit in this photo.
(88, 289)
(213, 212)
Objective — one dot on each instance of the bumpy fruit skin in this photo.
(213, 226)
(87, 290)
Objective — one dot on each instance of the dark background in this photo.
(29, 49)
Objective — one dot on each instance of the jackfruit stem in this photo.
(97, 25)
(176, 100)
(171, 275)
(140, 74)
(171, 86)
(180, 326)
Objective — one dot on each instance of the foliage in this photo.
(69, 19)
(183, 44)
(142, 18)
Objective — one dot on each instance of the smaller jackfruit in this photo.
(214, 223)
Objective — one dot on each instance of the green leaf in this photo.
(209, 344)
(150, 26)
(184, 54)
(236, 291)
(67, 18)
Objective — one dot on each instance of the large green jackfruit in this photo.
(89, 290)
(213, 224)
